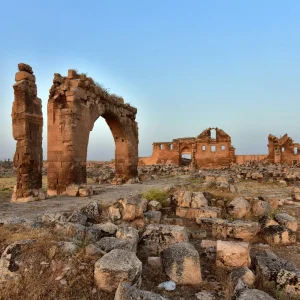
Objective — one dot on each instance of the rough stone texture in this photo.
(27, 125)
(239, 279)
(283, 150)
(232, 254)
(261, 208)
(287, 221)
(133, 208)
(159, 237)
(115, 267)
(8, 266)
(276, 235)
(289, 281)
(108, 244)
(75, 103)
(239, 208)
(219, 228)
(253, 294)
(269, 268)
(126, 291)
(129, 234)
(182, 264)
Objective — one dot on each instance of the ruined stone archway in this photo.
(75, 103)
(186, 156)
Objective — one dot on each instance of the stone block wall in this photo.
(75, 103)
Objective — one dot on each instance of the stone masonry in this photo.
(206, 151)
(27, 125)
(75, 103)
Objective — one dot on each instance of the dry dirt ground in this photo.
(108, 194)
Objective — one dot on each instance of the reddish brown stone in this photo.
(75, 103)
(283, 150)
(27, 123)
(206, 151)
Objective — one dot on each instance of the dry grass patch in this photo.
(46, 271)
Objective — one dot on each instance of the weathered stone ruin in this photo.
(27, 124)
(283, 150)
(75, 103)
(206, 151)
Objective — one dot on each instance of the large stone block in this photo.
(182, 264)
(115, 267)
(232, 255)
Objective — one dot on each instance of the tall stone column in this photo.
(27, 125)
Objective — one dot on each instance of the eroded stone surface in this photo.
(115, 267)
(27, 123)
(68, 135)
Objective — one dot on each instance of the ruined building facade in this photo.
(27, 126)
(206, 151)
(283, 150)
(209, 152)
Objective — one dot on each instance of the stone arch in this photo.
(185, 149)
(74, 105)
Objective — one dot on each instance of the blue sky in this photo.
(186, 65)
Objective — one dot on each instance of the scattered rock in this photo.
(115, 267)
(182, 264)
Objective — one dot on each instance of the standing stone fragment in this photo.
(27, 126)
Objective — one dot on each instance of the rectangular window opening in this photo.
(282, 149)
(295, 150)
(203, 148)
(213, 149)
(222, 147)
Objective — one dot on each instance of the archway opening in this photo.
(101, 145)
(186, 156)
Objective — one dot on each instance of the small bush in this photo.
(156, 194)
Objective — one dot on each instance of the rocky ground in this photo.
(179, 234)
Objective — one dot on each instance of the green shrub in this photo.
(156, 194)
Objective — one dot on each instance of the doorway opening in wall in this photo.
(100, 150)
(186, 159)
(186, 156)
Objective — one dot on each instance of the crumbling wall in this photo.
(75, 103)
(162, 153)
(214, 152)
(200, 148)
(27, 126)
(241, 159)
(283, 150)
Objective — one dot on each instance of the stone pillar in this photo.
(27, 125)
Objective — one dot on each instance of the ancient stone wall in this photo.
(283, 150)
(241, 159)
(75, 103)
(27, 126)
(206, 152)
(214, 152)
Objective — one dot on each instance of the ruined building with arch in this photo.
(206, 151)
(216, 151)
(75, 103)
